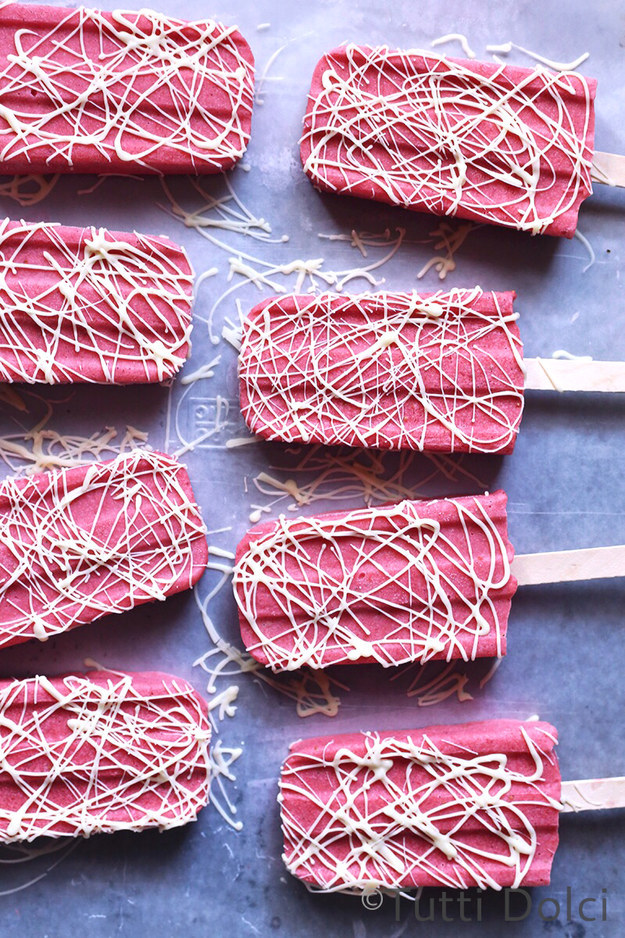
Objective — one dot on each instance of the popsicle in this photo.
(80, 543)
(440, 372)
(407, 582)
(87, 304)
(414, 581)
(101, 752)
(88, 91)
(459, 806)
(479, 140)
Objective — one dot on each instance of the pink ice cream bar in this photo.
(457, 806)
(441, 372)
(87, 304)
(77, 544)
(492, 143)
(86, 91)
(413, 581)
(101, 752)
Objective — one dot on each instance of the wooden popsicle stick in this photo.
(590, 563)
(608, 168)
(593, 794)
(557, 374)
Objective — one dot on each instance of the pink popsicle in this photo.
(86, 91)
(413, 581)
(460, 806)
(87, 304)
(77, 544)
(439, 372)
(494, 143)
(101, 752)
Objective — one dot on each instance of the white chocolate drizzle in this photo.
(222, 759)
(505, 48)
(15, 856)
(124, 91)
(82, 543)
(449, 239)
(203, 373)
(490, 143)
(588, 247)
(224, 703)
(265, 77)
(434, 690)
(29, 189)
(435, 372)
(39, 447)
(315, 693)
(562, 354)
(222, 213)
(335, 475)
(394, 584)
(91, 305)
(454, 37)
(430, 684)
(13, 398)
(85, 754)
(391, 811)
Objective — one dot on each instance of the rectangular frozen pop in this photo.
(439, 372)
(101, 752)
(479, 140)
(459, 806)
(414, 581)
(91, 305)
(77, 544)
(88, 91)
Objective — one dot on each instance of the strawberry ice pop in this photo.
(439, 372)
(101, 752)
(77, 544)
(478, 140)
(415, 581)
(459, 806)
(87, 304)
(87, 91)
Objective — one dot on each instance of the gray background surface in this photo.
(564, 480)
